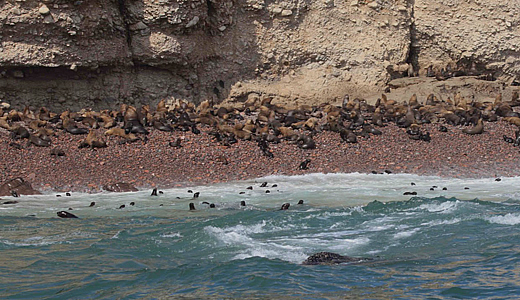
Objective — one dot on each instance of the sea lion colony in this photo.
(258, 120)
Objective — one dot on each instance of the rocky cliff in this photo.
(99, 53)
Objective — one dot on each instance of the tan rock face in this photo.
(477, 36)
(99, 53)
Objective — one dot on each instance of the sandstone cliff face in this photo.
(98, 53)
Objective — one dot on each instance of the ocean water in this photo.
(461, 242)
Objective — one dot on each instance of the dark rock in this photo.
(18, 186)
(120, 187)
(329, 258)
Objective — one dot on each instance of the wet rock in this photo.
(18, 186)
(120, 187)
(329, 258)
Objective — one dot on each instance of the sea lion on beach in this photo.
(39, 142)
(329, 258)
(176, 143)
(66, 215)
(478, 129)
(57, 152)
(304, 164)
(92, 141)
(121, 132)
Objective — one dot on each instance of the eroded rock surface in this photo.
(99, 53)
(17, 186)
(120, 187)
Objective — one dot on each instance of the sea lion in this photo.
(66, 215)
(348, 136)
(306, 142)
(92, 204)
(508, 139)
(304, 164)
(92, 141)
(329, 258)
(410, 193)
(477, 129)
(121, 132)
(176, 143)
(196, 195)
(39, 142)
(212, 205)
(242, 203)
(192, 206)
(57, 152)
(10, 202)
(285, 206)
(122, 206)
(300, 202)
(154, 192)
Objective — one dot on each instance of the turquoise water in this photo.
(440, 244)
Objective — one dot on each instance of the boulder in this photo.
(17, 185)
(120, 187)
(329, 258)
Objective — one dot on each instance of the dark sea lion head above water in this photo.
(285, 206)
(66, 215)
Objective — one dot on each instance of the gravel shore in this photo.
(201, 160)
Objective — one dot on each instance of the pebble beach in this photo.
(201, 160)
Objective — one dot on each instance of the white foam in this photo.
(37, 241)
(327, 190)
(442, 222)
(405, 234)
(444, 207)
(172, 235)
(509, 219)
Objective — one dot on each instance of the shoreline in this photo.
(203, 161)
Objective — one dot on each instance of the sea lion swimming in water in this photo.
(66, 215)
(285, 206)
(329, 258)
